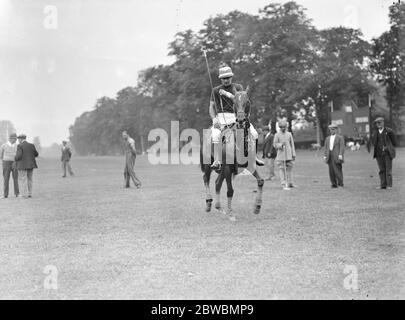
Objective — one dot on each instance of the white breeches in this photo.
(227, 119)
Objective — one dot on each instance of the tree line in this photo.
(293, 70)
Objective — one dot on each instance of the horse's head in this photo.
(242, 105)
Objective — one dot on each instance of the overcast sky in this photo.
(49, 76)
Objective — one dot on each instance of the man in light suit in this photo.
(384, 142)
(25, 157)
(334, 156)
(65, 158)
(284, 144)
(7, 155)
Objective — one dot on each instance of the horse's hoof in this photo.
(257, 209)
(232, 218)
(218, 206)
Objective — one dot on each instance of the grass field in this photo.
(159, 243)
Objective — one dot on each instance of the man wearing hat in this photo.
(25, 157)
(284, 143)
(65, 158)
(8, 152)
(130, 156)
(222, 112)
(334, 151)
(384, 152)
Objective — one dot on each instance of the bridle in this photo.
(242, 117)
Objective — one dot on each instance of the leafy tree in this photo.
(286, 51)
(293, 70)
(339, 74)
(389, 60)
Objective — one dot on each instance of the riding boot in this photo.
(217, 156)
(259, 162)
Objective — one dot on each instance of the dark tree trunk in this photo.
(322, 114)
(289, 118)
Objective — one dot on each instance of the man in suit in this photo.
(7, 155)
(334, 156)
(284, 144)
(384, 142)
(130, 156)
(269, 152)
(65, 158)
(25, 157)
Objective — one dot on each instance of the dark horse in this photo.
(237, 146)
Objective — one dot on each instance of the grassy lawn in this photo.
(159, 243)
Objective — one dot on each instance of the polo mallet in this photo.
(208, 69)
(286, 187)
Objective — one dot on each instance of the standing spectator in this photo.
(8, 152)
(334, 151)
(65, 158)
(269, 152)
(284, 143)
(25, 157)
(384, 151)
(130, 156)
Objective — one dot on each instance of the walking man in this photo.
(130, 156)
(8, 152)
(334, 151)
(269, 152)
(65, 158)
(384, 151)
(284, 143)
(25, 157)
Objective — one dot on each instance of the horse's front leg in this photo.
(208, 196)
(229, 194)
(259, 195)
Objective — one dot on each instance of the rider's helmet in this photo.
(225, 71)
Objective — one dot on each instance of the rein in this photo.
(244, 124)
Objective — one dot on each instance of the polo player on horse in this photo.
(222, 112)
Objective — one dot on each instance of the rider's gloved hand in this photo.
(215, 123)
(222, 92)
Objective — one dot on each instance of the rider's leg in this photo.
(216, 142)
(255, 136)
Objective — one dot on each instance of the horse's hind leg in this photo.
(208, 196)
(258, 201)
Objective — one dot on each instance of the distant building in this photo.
(352, 120)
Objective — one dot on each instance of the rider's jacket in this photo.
(227, 103)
